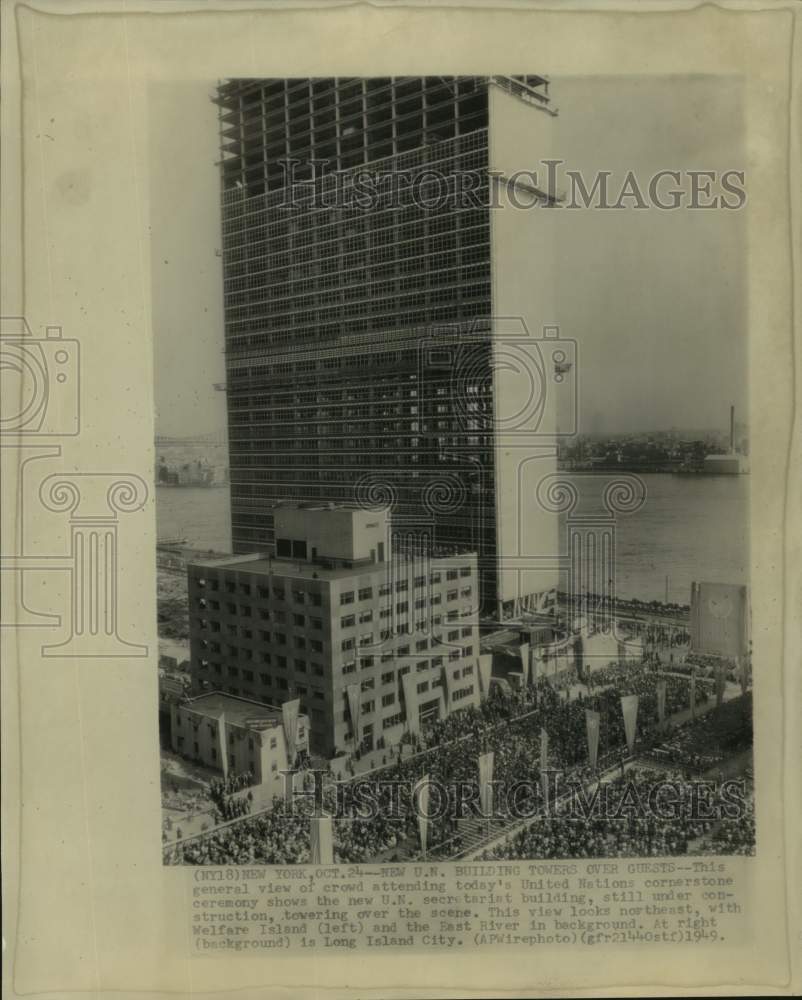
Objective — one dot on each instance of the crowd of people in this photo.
(702, 744)
(637, 832)
(507, 724)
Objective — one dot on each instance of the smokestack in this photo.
(732, 428)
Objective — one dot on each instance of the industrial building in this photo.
(399, 349)
(372, 646)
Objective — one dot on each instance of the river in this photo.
(689, 528)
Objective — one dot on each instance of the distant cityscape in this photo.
(651, 451)
(202, 461)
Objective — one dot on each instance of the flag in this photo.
(592, 723)
(485, 783)
(693, 693)
(289, 716)
(410, 689)
(420, 798)
(661, 703)
(629, 708)
(525, 663)
(354, 693)
(485, 672)
(544, 749)
(321, 851)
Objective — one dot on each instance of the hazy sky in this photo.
(655, 299)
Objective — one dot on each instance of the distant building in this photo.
(235, 735)
(373, 645)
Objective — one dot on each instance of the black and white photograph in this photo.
(400, 499)
(452, 468)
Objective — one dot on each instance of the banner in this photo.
(409, 685)
(629, 708)
(544, 749)
(420, 800)
(533, 667)
(485, 783)
(289, 786)
(592, 724)
(485, 672)
(721, 680)
(448, 684)
(222, 744)
(661, 703)
(742, 665)
(525, 663)
(354, 693)
(321, 846)
(289, 716)
(693, 693)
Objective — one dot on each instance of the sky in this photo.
(655, 299)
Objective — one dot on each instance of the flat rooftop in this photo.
(267, 566)
(239, 711)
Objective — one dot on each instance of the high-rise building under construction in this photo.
(389, 312)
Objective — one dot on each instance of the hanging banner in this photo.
(289, 716)
(661, 703)
(410, 688)
(721, 680)
(354, 693)
(592, 725)
(629, 708)
(533, 661)
(321, 844)
(544, 749)
(743, 672)
(693, 693)
(289, 787)
(222, 744)
(485, 672)
(420, 800)
(486, 783)
(525, 663)
(448, 684)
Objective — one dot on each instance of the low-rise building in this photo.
(371, 641)
(235, 735)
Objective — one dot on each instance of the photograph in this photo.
(452, 468)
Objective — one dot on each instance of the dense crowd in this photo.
(637, 832)
(507, 724)
(703, 743)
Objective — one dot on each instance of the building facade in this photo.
(372, 647)
(389, 312)
(235, 735)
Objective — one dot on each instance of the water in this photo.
(201, 516)
(690, 528)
